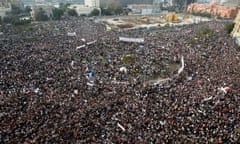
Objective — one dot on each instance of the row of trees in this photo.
(178, 5)
(112, 7)
(16, 15)
(57, 13)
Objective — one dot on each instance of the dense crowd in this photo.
(52, 92)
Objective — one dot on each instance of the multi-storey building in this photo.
(92, 3)
(6, 6)
(230, 2)
(236, 31)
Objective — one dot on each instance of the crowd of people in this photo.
(53, 92)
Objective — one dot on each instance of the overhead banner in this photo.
(92, 42)
(137, 40)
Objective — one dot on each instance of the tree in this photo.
(64, 7)
(28, 9)
(125, 11)
(14, 16)
(113, 7)
(106, 11)
(20, 22)
(229, 27)
(72, 12)
(8, 19)
(40, 15)
(94, 12)
(180, 4)
(16, 10)
(57, 13)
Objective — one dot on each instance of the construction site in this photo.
(150, 21)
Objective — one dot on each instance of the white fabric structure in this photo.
(82, 46)
(182, 67)
(137, 40)
(72, 34)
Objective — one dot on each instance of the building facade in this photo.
(236, 31)
(213, 9)
(92, 3)
(230, 2)
(47, 8)
(81, 9)
(203, 1)
(3, 11)
(144, 9)
(6, 6)
(226, 2)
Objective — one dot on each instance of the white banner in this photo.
(82, 46)
(71, 34)
(92, 42)
(137, 40)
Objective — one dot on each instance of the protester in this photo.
(52, 92)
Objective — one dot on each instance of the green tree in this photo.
(27, 9)
(16, 10)
(180, 4)
(40, 15)
(118, 10)
(115, 7)
(106, 11)
(20, 22)
(57, 13)
(125, 11)
(64, 6)
(94, 12)
(112, 7)
(8, 19)
(229, 27)
(72, 12)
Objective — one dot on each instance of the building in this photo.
(6, 6)
(163, 3)
(7, 3)
(221, 2)
(230, 2)
(158, 1)
(144, 9)
(226, 2)
(28, 2)
(216, 10)
(54, 2)
(3, 11)
(128, 2)
(86, 8)
(203, 1)
(81, 9)
(92, 3)
(236, 31)
(47, 8)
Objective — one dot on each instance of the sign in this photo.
(137, 40)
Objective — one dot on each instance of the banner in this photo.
(72, 34)
(92, 42)
(137, 40)
(82, 46)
